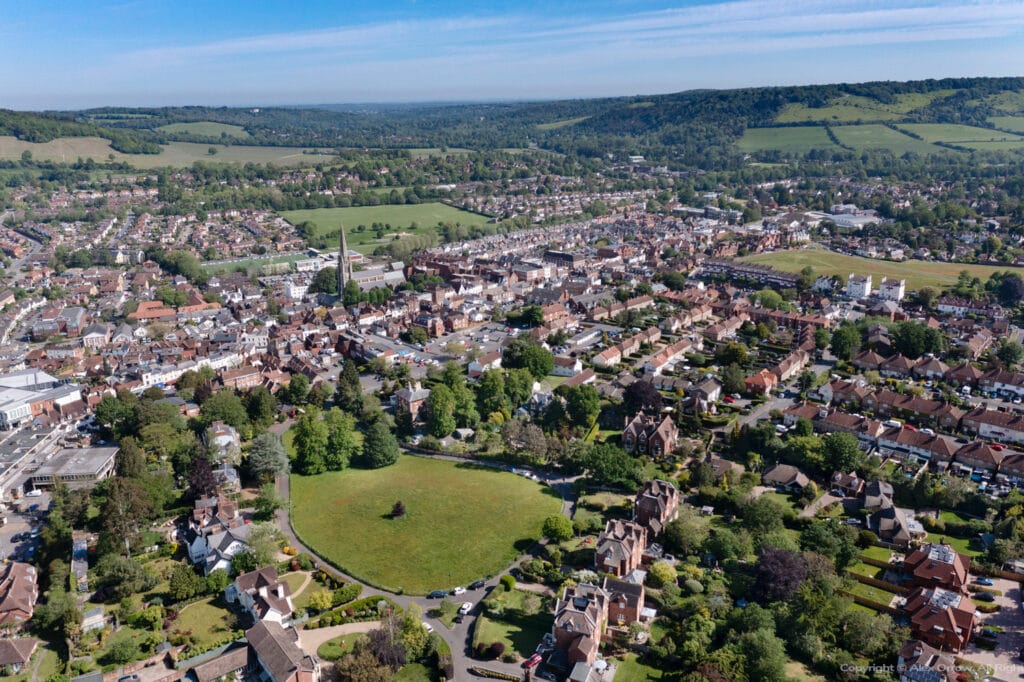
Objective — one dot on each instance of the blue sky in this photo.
(65, 54)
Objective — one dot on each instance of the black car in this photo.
(16, 537)
(438, 594)
(476, 585)
(984, 596)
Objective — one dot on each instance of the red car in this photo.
(532, 661)
(728, 399)
(997, 447)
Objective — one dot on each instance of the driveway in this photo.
(310, 640)
(811, 510)
(1004, 659)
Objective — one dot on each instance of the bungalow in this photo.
(15, 654)
(786, 477)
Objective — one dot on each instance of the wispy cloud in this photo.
(563, 51)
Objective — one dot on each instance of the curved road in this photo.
(458, 638)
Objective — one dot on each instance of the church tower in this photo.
(344, 264)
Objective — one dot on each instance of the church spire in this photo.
(344, 264)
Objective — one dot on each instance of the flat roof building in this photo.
(77, 467)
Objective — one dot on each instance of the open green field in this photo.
(797, 140)
(555, 125)
(917, 273)
(400, 216)
(177, 154)
(874, 136)
(207, 128)
(850, 108)
(958, 134)
(463, 522)
(1014, 123)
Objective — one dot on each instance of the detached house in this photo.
(656, 505)
(786, 477)
(262, 595)
(650, 436)
(580, 619)
(941, 618)
(935, 565)
(18, 594)
(620, 547)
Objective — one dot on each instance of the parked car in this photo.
(989, 632)
(16, 537)
(459, 590)
(428, 627)
(984, 596)
(465, 608)
(35, 492)
(438, 594)
(532, 661)
(477, 584)
(728, 400)
(987, 582)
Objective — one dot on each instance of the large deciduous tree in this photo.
(641, 395)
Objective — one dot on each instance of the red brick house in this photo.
(761, 383)
(625, 602)
(935, 565)
(656, 505)
(580, 619)
(941, 618)
(647, 435)
(620, 547)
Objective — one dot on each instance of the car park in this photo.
(465, 608)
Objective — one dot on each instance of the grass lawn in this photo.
(880, 553)
(784, 499)
(875, 594)
(416, 672)
(295, 581)
(521, 634)
(633, 670)
(962, 545)
(917, 273)
(208, 622)
(333, 649)
(866, 569)
(463, 522)
(207, 128)
(797, 140)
